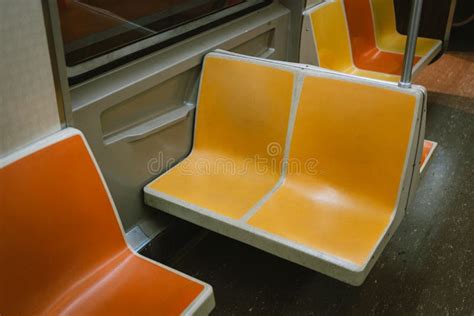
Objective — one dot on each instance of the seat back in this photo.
(383, 12)
(331, 36)
(360, 24)
(366, 54)
(242, 108)
(57, 222)
(355, 135)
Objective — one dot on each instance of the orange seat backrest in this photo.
(62, 249)
(57, 223)
(365, 52)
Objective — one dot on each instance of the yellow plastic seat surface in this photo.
(309, 165)
(233, 126)
(345, 204)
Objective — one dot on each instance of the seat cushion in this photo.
(128, 285)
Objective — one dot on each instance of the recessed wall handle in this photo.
(152, 126)
(267, 53)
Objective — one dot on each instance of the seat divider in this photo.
(297, 88)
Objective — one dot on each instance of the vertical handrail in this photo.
(410, 48)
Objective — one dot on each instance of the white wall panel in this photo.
(28, 108)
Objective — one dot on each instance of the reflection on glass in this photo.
(91, 28)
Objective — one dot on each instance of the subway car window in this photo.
(101, 34)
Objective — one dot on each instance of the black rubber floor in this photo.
(426, 269)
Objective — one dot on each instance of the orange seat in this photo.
(364, 49)
(359, 37)
(328, 195)
(62, 249)
(428, 149)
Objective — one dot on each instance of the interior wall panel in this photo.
(28, 107)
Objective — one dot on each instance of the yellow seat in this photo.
(242, 109)
(345, 204)
(340, 35)
(328, 162)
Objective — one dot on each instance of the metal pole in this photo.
(410, 48)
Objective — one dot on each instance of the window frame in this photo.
(103, 63)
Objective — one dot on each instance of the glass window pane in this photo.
(92, 28)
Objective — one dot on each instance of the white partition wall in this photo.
(28, 107)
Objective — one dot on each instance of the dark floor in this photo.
(426, 269)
